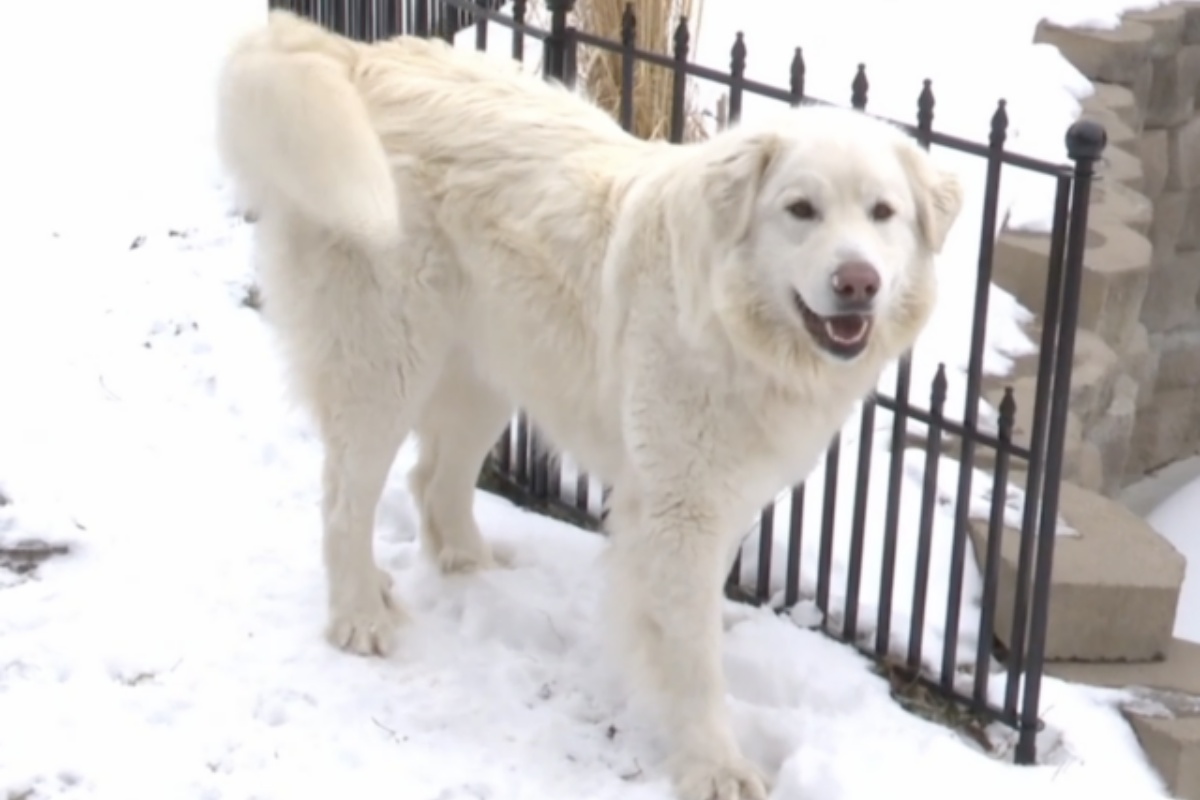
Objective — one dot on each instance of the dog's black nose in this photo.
(856, 282)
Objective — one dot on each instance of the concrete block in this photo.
(1120, 100)
(1169, 99)
(1189, 71)
(1093, 373)
(1116, 268)
(1087, 470)
(1113, 56)
(1167, 24)
(1114, 587)
(1117, 99)
(1115, 272)
(1179, 360)
(1170, 212)
(1140, 362)
(1105, 387)
(1115, 202)
(1166, 430)
(1183, 151)
(1120, 134)
(1151, 150)
(1170, 302)
(1178, 671)
(1122, 166)
(1172, 745)
(1024, 392)
(1111, 436)
(1191, 21)
(1189, 231)
(1163, 712)
(1019, 266)
(1172, 94)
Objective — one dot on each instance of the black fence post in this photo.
(420, 17)
(933, 458)
(791, 592)
(518, 36)
(858, 523)
(828, 526)
(991, 563)
(1035, 479)
(737, 78)
(970, 418)
(521, 469)
(389, 21)
(766, 545)
(681, 41)
(1085, 144)
(556, 58)
(796, 77)
(481, 26)
(628, 65)
(858, 88)
(900, 415)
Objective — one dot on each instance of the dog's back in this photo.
(318, 123)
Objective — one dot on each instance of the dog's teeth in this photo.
(831, 329)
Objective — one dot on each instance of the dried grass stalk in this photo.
(652, 84)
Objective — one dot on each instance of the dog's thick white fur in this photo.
(444, 238)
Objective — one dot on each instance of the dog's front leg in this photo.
(669, 557)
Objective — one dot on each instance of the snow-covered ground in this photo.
(176, 651)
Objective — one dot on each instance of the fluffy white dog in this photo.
(444, 238)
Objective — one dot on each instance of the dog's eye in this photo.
(882, 212)
(802, 209)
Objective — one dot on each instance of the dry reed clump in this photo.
(601, 70)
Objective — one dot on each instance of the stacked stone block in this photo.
(1135, 395)
(1136, 392)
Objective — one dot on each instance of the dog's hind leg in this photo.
(458, 426)
(366, 334)
(362, 431)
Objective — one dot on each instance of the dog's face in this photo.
(833, 220)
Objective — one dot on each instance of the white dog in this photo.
(444, 238)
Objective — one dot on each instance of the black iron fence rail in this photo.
(521, 464)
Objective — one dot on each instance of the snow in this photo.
(1177, 518)
(176, 651)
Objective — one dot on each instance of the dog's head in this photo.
(824, 230)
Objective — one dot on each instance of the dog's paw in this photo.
(366, 623)
(452, 559)
(732, 778)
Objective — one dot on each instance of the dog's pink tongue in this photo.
(847, 328)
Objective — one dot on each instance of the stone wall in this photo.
(1136, 393)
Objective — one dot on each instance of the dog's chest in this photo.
(791, 440)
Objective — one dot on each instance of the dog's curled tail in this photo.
(292, 129)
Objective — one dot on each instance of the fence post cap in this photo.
(560, 5)
(1086, 139)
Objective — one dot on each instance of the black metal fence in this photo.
(780, 540)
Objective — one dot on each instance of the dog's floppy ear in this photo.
(732, 179)
(937, 192)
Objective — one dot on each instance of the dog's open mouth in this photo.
(842, 335)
